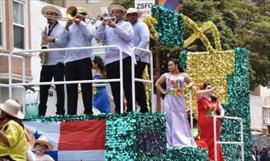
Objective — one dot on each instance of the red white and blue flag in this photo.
(74, 140)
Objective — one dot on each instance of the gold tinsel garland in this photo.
(151, 22)
(147, 87)
(211, 66)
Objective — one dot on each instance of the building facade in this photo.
(17, 32)
(260, 110)
(14, 35)
(91, 6)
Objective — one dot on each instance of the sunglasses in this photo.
(42, 146)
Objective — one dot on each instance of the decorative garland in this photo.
(227, 70)
(169, 26)
(66, 118)
(199, 34)
(238, 106)
(136, 136)
(237, 99)
(201, 67)
(187, 154)
(151, 22)
(147, 87)
(183, 59)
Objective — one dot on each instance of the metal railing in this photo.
(141, 80)
(229, 142)
(22, 54)
(190, 109)
(6, 54)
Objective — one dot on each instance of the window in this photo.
(18, 24)
(1, 33)
(92, 1)
(1, 23)
(266, 115)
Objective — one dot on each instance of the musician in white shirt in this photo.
(118, 33)
(78, 62)
(140, 39)
(53, 66)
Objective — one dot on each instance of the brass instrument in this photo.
(43, 54)
(106, 19)
(72, 13)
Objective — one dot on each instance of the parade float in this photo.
(142, 136)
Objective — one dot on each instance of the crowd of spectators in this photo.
(261, 153)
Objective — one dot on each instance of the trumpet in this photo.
(105, 19)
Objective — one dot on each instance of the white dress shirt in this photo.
(77, 35)
(121, 35)
(55, 57)
(141, 39)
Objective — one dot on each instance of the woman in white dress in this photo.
(178, 130)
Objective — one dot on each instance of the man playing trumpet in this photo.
(118, 33)
(53, 66)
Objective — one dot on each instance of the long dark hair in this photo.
(176, 62)
(9, 117)
(98, 60)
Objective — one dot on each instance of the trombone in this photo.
(72, 13)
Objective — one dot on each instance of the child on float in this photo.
(101, 97)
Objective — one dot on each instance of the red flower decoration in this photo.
(172, 82)
(178, 92)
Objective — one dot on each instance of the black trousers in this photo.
(79, 70)
(46, 75)
(113, 71)
(139, 86)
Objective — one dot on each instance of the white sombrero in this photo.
(132, 10)
(12, 108)
(51, 8)
(81, 10)
(44, 141)
(116, 7)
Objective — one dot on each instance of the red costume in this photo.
(206, 127)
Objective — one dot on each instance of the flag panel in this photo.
(92, 155)
(82, 135)
(50, 129)
(74, 140)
